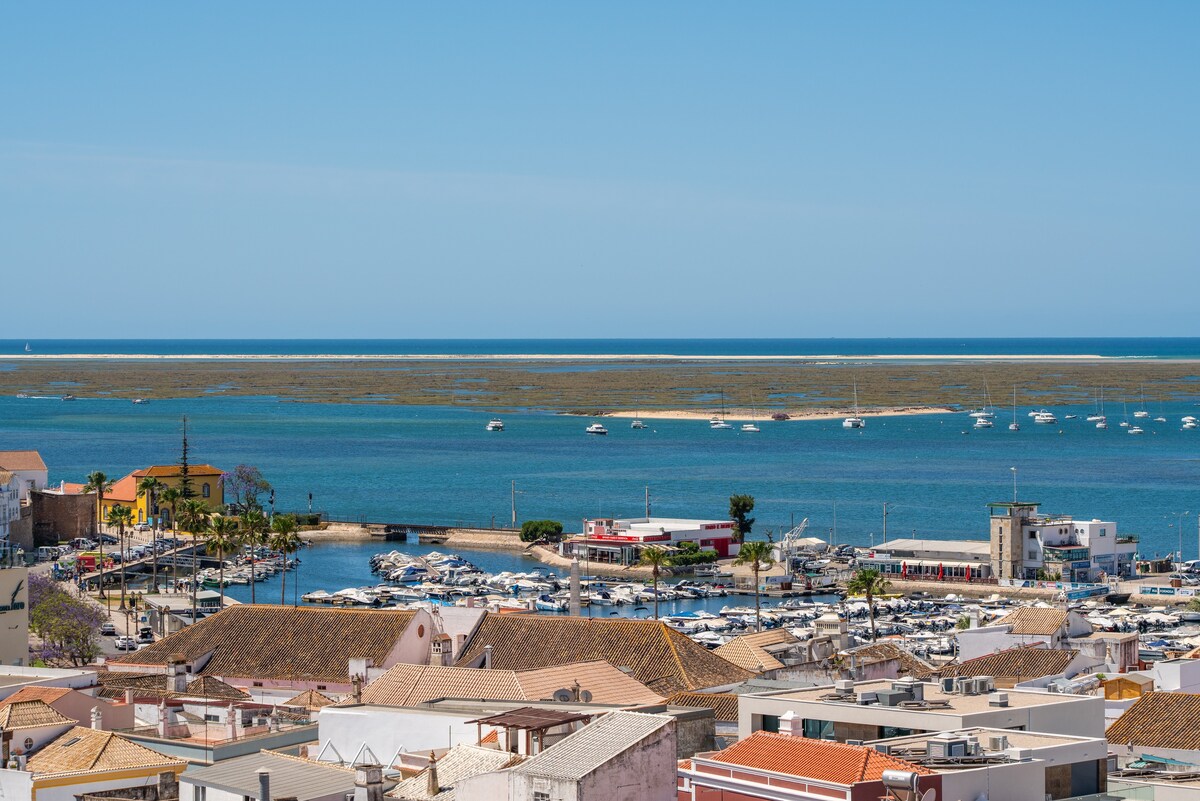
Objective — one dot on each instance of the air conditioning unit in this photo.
(918, 691)
(986, 683)
(868, 698)
(997, 742)
(947, 747)
(854, 742)
(998, 700)
(964, 685)
(843, 686)
(883, 748)
(947, 684)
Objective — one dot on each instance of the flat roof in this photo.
(1016, 738)
(963, 704)
(982, 547)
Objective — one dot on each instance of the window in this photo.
(320, 686)
(894, 731)
(1033, 535)
(1103, 532)
(539, 795)
(818, 729)
(198, 792)
(205, 491)
(770, 723)
(258, 684)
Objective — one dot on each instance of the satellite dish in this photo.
(586, 697)
(564, 696)
(929, 795)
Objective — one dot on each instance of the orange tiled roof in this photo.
(29, 714)
(1034, 620)
(909, 663)
(310, 699)
(821, 760)
(723, 705)
(70, 488)
(82, 750)
(281, 642)
(21, 460)
(1025, 662)
(748, 655)
(1159, 720)
(36, 693)
(123, 489)
(657, 656)
(172, 471)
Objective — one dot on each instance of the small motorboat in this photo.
(68, 397)
(495, 424)
(637, 424)
(22, 394)
(139, 401)
(1135, 430)
(596, 428)
(750, 428)
(983, 422)
(1045, 418)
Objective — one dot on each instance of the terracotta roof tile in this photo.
(82, 750)
(723, 705)
(27, 714)
(460, 762)
(310, 699)
(1159, 720)
(748, 656)
(21, 460)
(280, 642)
(821, 760)
(762, 639)
(1025, 662)
(664, 660)
(408, 685)
(172, 471)
(910, 664)
(1040, 621)
(36, 693)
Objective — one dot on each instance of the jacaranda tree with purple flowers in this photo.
(68, 627)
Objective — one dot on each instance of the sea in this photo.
(934, 474)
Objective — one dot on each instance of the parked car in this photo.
(125, 643)
(108, 630)
(145, 635)
(142, 527)
(82, 544)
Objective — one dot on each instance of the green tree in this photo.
(194, 518)
(254, 526)
(148, 488)
(657, 559)
(222, 537)
(99, 484)
(740, 507)
(285, 540)
(120, 516)
(171, 497)
(757, 554)
(869, 582)
(536, 530)
(246, 483)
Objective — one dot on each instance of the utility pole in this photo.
(886, 509)
(514, 504)
(1014, 472)
(647, 501)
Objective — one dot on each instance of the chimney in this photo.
(168, 785)
(97, 719)
(434, 787)
(129, 696)
(177, 677)
(487, 657)
(264, 784)
(368, 782)
(576, 605)
(162, 719)
(231, 721)
(356, 682)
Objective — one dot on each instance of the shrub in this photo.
(537, 530)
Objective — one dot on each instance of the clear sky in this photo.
(599, 170)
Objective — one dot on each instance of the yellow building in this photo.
(206, 484)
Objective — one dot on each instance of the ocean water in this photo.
(1151, 347)
(438, 465)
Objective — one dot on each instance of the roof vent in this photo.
(998, 699)
(868, 698)
(854, 742)
(843, 686)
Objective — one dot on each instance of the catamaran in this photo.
(856, 421)
(717, 421)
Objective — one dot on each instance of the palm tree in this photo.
(285, 540)
(757, 554)
(869, 582)
(170, 497)
(254, 528)
(194, 518)
(222, 536)
(149, 487)
(656, 558)
(120, 516)
(99, 483)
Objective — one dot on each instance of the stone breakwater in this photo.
(465, 538)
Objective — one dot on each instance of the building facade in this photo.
(1026, 545)
(612, 541)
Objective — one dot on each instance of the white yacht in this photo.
(1135, 430)
(596, 428)
(1189, 422)
(1045, 418)
(983, 422)
(856, 421)
(751, 428)
(1102, 424)
(638, 424)
(495, 424)
(139, 401)
(718, 423)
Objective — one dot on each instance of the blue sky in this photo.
(609, 169)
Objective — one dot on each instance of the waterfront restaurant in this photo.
(620, 542)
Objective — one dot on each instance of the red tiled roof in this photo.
(1159, 720)
(21, 460)
(123, 490)
(820, 760)
(1024, 662)
(35, 693)
(172, 471)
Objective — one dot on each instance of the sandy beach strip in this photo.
(570, 357)
(747, 414)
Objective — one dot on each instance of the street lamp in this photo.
(1181, 515)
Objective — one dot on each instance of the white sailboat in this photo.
(717, 421)
(27, 348)
(637, 423)
(1014, 425)
(751, 427)
(1141, 413)
(1125, 422)
(1098, 417)
(856, 421)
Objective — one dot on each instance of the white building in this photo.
(29, 469)
(950, 560)
(10, 503)
(613, 541)
(1028, 545)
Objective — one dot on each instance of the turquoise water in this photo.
(438, 465)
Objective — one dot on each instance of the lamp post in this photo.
(1181, 515)
(1014, 475)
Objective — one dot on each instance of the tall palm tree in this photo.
(120, 516)
(869, 582)
(222, 537)
(758, 555)
(194, 518)
(171, 497)
(285, 540)
(149, 487)
(254, 529)
(655, 558)
(100, 484)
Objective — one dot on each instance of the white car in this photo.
(142, 527)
